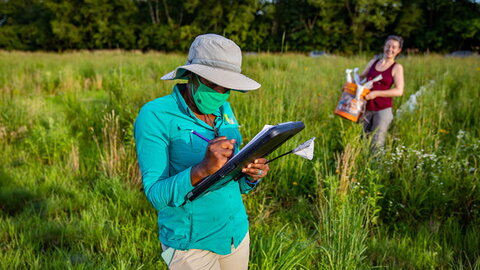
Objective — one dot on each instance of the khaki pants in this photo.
(194, 259)
(377, 122)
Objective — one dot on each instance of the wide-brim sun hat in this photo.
(217, 59)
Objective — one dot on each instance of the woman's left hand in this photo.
(257, 169)
(371, 95)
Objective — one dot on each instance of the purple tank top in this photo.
(386, 83)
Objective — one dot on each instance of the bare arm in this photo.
(393, 92)
(367, 68)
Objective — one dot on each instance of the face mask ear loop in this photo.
(198, 80)
(192, 91)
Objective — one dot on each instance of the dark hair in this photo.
(399, 39)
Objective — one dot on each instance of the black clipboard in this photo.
(261, 145)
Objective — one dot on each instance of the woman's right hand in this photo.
(219, 150)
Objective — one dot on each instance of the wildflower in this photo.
(295, 183)
(22, 129)
(3, 132)
(443, 131)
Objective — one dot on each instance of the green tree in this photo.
(332, 25)
(174, 24)
(369, 19)
(24, 25)
(93, 24)
(349, 26)
(440, 25)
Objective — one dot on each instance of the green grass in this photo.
(70, 194)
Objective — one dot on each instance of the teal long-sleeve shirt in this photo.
(166, 151)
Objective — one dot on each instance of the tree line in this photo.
(338, 26)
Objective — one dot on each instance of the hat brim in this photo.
(228, 79)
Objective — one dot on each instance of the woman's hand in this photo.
(257, 169)
(371, 95)
(219, 150)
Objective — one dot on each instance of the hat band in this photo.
(215, 63)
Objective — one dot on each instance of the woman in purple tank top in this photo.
(378, 115)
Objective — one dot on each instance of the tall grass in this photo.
(70, 192)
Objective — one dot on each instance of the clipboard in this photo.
(265, 142)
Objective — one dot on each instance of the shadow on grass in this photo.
(27, 214)
(15, 200)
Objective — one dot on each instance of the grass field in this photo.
(70, 193)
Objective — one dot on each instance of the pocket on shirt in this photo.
(191, 142)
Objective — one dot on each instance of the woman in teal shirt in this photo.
(210, 232)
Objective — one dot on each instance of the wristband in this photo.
(252, 183)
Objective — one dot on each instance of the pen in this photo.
(200, 136)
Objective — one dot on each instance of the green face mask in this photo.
(207, 99)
